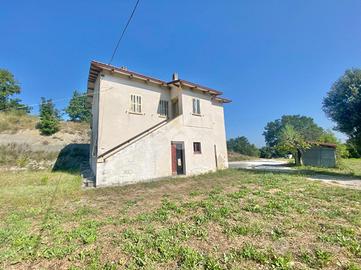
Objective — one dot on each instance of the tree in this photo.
(292, 141)
(341, 149)
(343, 105)
(353, 146)
(243, 146)
(78, 109)
(303, 125)
(49, 117)
(267, 152)
(9, 86)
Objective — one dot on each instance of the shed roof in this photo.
(330, 145)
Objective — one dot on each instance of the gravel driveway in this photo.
(281, 166)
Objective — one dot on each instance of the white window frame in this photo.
(135, 103)
(196, 106)
(163, 108)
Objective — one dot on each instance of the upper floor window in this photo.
(163, 109)
(135, 103)
(196, 106)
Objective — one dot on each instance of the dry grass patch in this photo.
(11, 122)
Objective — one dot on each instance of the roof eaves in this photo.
(196, 86)
(129, 73)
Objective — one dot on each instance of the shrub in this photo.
(49, 118)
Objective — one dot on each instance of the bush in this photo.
(242, 146)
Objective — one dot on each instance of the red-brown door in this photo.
(177, 158)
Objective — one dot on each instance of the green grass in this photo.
(231, 219)
(345, 167)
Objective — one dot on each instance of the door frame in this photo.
(174, 168)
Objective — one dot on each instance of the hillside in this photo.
(22, 145)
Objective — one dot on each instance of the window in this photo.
(197, 148)
(196, 106)
(163, 108)
(135, 103)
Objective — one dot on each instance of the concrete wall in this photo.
(149, 156)
(320, 156)
(116, 123)
(94, 127)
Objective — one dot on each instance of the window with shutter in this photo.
(135, 103)
(196, 106)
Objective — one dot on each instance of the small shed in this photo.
(320, 155)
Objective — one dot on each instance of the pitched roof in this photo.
(97, 67)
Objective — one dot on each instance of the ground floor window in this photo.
(197, 149)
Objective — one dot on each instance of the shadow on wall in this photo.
(72, 157)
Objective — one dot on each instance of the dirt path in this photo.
(281, 166)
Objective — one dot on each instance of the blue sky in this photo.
(271, 57)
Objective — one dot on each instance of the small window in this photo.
(197, 148)
(196, 106)
(135, 103)
(163, 108)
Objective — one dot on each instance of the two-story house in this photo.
(145, 128)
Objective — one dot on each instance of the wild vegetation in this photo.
(9, 87)
(234, 156)
(22, 156)
(242, 146)
(231, 219)
(49, 118)
(293, 134)
(78, 108)
(342, 105)
(14, 121)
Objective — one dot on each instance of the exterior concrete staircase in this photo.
(87, 175)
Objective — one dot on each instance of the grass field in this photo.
(231, 219)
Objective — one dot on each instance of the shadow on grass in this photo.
(71, 158)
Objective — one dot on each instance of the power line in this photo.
(125, 29)
(21, 107)
(111, 59)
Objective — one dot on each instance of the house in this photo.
(144, 128)
(320, 155)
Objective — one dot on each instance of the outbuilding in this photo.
(320, 155)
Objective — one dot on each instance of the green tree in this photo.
(49, 117)
(303, 125)
(9, 86)
(243, 146)
(354, 147)
(341, 149)
(342, 105)
(78, 108)
(267, 152)
(291, 141)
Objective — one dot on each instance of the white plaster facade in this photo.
(128, 147)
